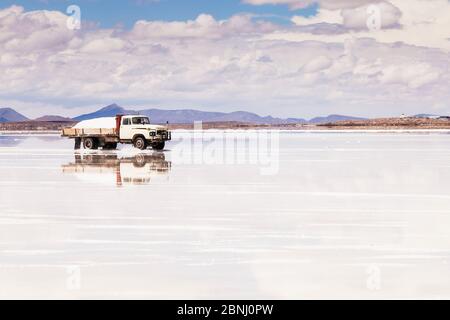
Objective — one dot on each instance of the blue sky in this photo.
(110, 13)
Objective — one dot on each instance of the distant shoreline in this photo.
(371, 125)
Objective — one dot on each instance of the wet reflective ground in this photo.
(350, 215)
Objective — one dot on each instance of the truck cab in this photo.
(137, 130)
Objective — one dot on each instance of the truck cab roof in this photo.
(134, 116)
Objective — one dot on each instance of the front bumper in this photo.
(161, 135)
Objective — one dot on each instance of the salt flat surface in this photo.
(347, 215)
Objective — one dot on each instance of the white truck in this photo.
(106, 133)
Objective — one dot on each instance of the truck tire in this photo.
(139, 161)
(140, 143)
(90, 144)
(77, 144)
(159, 146)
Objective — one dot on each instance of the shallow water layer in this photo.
(341, 215)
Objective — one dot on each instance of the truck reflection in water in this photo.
(140, 169)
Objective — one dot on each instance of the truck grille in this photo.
(163, 133)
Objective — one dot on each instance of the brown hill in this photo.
(35, 126)
(51, 118)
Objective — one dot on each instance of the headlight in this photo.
(152, 133)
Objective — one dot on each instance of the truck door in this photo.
(125, 129)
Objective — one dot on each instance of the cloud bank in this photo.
(328, 63)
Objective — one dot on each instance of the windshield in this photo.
(141, 120)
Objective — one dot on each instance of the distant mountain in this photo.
(254, 118)
(426, 116)
(178, 116)
(189, 116)
(10, 115)
(109, 111)
(185, 116)
(52, 118)
(333, 118)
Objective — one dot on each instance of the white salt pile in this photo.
(99, 123)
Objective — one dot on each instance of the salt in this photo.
(99, 123)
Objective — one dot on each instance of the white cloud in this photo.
(327, 4)
(323, 16)
(204, 26)
(98, 46)
(415, 22)
(415, 76)
(357, 18)
(317, 64)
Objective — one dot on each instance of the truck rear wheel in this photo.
(159, 145)
(90, 144)
(77, 143)
(140, 143)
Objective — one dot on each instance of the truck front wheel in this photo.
(90, 144)
(140, 143)
(158, 145)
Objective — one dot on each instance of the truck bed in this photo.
(79, 133)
